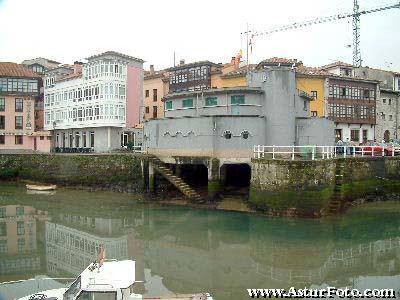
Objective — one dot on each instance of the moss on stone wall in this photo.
(86, 170)
(307, 186)
(306, 203)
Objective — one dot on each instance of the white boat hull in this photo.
(58, 293)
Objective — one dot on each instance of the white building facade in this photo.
(92, 105)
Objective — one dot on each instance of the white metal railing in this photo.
(322, 152)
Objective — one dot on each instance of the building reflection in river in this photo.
(19, 239)
(185, 250)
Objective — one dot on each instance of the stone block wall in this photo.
(117, 172)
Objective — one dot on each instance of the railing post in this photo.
(362, 151)
(273, 152)
(392, 151)
(383, 151)
(292, 152)
(313, 153)
(344, 151)
(354, 151)
(335, 151)
(323, 152)
(372, 154)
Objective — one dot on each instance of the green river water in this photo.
(184, 250)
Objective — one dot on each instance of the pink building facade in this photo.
(19, 88)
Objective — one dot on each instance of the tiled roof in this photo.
(274, 61)
(335, 65)
(156, 74)
(309, 71)
(194, 64)
(239, 72)
(47, 63)
(15, 70)
(114, 53)
(70, 76)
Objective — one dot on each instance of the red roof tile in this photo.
(335, 64)
(273, 61)
(70, 76)
(15, 70)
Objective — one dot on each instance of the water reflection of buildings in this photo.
(19, 240)
(227, 255)
(73, 242)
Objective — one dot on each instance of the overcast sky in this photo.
(69, 30)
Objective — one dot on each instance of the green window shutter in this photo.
(168, 105)
(237, 99)
(211, 101)
(187, 103)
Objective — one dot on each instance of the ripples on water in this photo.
(184, 250)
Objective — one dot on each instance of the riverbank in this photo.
(277, 188)
(115, 172)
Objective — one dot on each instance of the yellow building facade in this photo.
(314, 86)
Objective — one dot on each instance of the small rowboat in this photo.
(41, 187)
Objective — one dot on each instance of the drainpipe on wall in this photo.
(397, 116)
(108, 138)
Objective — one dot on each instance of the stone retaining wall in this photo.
(120, 172)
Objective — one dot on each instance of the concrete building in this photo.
(19, 89)
(219, 127)
(39, 66)
(94, 105)
(387, 115)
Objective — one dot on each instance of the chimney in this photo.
(152, 69)
(182, 62)
(78, 67)
(235, 61)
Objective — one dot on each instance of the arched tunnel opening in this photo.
(236, 178)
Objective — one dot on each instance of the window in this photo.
(227, 134)
(147, 110)
(77, 138)
(154, 95)
(2, 122)
(19, 105)
(147, 93)
(84, 139)
(366, 94)
(343, 91)
(19, 122)
(390, 117)
(390, 102)
(42, 138)
(19, 140)
(20, 211)
(365, 135)
(211, 101)
(314, 113)
(245, 134)
(3, 229)
(384, 101)
(237, 99)
(2, 212)
(20, 228)
(383, 116)
(2, 104)
(91, 137)
(314, 95)
(21, 245)
(155, 112)
(187, 103)
(355, 135)
(168, 105)
(2, 139)
(97, 296)
(3, 246)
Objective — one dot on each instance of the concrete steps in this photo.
(175, 180)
